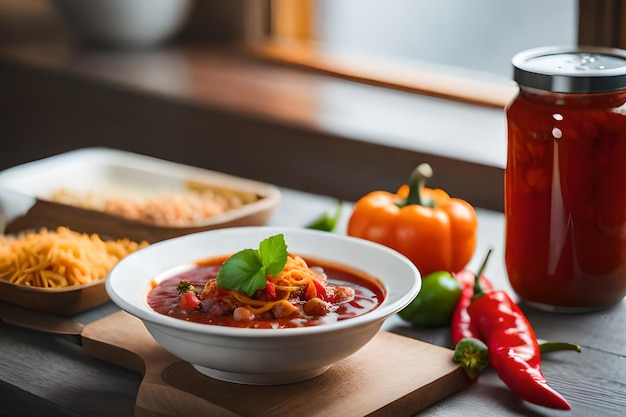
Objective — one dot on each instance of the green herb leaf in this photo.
(273, 252)
(246, 270)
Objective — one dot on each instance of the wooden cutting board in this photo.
(392, 376)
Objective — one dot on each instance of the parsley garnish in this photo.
(246, 270)
(184, 286)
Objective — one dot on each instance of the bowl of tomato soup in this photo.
(263, 305)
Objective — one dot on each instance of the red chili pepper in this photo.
(513, 348)
(461, 325)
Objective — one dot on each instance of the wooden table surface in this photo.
(42, 374)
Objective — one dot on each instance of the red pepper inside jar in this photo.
(565, 180)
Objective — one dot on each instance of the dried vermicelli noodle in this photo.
(60, 258)
(295, 273)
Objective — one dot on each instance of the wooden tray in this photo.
(392, 375)
(65, 301)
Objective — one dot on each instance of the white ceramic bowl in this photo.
(262, 356)
(124, 23)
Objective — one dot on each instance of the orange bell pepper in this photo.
(436, 232)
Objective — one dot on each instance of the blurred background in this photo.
(367, 89)
(481, 35)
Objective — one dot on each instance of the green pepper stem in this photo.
(417, 181)
(547, 347)
(473, 356)
(478, 291)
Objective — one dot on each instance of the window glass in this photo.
(481, 35)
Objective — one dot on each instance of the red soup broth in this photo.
(369, 294)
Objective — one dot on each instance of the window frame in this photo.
(286, 35)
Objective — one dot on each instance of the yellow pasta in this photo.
(296, 273)
(60, 258)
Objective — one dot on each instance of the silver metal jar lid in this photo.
(571, 69)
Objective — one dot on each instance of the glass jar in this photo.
(565, 179)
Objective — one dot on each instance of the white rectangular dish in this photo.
(26, 194)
